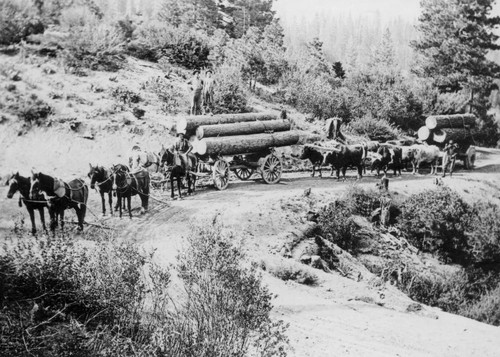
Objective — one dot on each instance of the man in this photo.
(196, 84)
(182, 148)
(450, 156)
(208, 92)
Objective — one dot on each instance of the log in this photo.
(191, 123)
(243, 144)
(424, 133)
(457, 121)
(442, 136)
(255, 127)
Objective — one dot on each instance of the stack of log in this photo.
(439, 129)
(232, 134)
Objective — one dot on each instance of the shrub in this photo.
(338, 226)
(375, 129)
(173, 99)
(290, 271)
(229, 95)
(30, 109)
(487, 309)
(125, 95)
(182, 46)
(17, 22)
(64, 298)
(227, 309)
(96, 45)
(435, 221)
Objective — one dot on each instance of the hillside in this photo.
(343, 314)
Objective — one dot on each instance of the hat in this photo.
(209, 71)
(181, 132)
(196, 71)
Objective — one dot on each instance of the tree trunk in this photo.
(191, 123)
(243, 144)
(459, 136)
(458, 121)
(255, 127)
(424, 133)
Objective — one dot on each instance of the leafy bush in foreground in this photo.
(338, 226)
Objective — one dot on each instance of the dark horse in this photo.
(103, 178)
(61, 196)
(23, 184)
(128, 184)
(178, 171)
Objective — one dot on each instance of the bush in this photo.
(125, 95)
(17, 22)
(173, 99)
(375, 129)
(294, 272)
(487, 309)
(95, 45)
(435, 221)
(30, 109)
(338, 226)
(182, 46)
(62, 298)
(227, 309)
(229, 95)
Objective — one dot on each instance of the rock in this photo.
(74, 125)
(413, 307)
(14, 76)
(49, 69)
(138, 112)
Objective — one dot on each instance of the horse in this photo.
(127, 184)
(178, 171)
(139, 158)
(23, 184)
(103, 178)
(61, 196)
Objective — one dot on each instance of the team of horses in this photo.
(42, 191)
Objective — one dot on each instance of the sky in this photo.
(388, 9)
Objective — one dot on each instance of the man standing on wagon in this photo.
(208, 92)
(196, 84)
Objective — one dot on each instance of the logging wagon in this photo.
(440, 129)
(240, 143)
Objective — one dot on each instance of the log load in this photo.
(242, 144)
(191, 123)
(442, 136)
(424, 133)
(245, 128)
(457, 121)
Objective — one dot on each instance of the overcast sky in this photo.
(388, 9)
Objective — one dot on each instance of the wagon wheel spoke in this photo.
(243, 173)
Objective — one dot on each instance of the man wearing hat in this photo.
(196, 84)
(208, 91)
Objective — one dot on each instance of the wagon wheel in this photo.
(470, 158)
(220, 174)
(271, 169)
(243, 173)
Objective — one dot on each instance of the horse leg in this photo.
(344, 169)
(61, 214)
(42, 218)
(129, 199)
(32, 219)
(319, 169)
(360, 171)
(172, 186)
(110, 201)
(194, 183)
(53, 219)
(120, 209)
(81, 216)
(189, 183)
(103, 201)
(179, 179)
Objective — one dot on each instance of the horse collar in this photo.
(59, 188)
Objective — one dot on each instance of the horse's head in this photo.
(96, 174)
(166, 157)
(119, 177)
(35, 185)
(13, 183)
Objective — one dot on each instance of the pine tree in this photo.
(455, 36)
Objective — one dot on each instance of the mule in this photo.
(127, 184)
(102, 178)
(18, 183)
(178, 171)
(61, 196)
